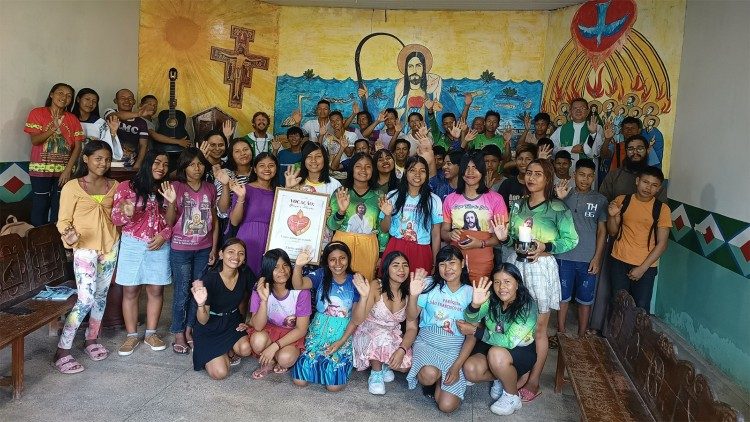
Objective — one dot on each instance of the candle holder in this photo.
(523, 249)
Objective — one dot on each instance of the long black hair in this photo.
(385, 278)
(519, 309)
(77, 107)
(308, 148)
(219, 264)
(268, 264)
(215, 132)
(254, 175)
(325, 287)
(392, 179)
(372, 183)
(424, 206)
(447, 253)
(477, 158)
(143, 183)
(186, 157)
(89, 149)
(48, 101)
(231, 164)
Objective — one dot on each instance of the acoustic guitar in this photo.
(171, 122)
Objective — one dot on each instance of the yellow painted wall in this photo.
(180, 33)
(463, 44)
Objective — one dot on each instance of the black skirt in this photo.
(216, 338)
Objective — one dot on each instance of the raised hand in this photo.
(127, 208)
(499, 225)
(291, 177)
(614, 209)
(417, 282)
(238, 189)
(276, 144)
(481, 291)
(470, 135)
(203, 147)
(508, 133)
(343, 142)
(562, 189)
(609, 130)
(423, 132)
(228, 129)
(355, 107)
(385, 205)
(70, 235)
(455, 131)
(342, 198)
(323, 131)
(304, 257)
(462, 125)
(220, 174)
(527, 121)
(167, 191)
(398, 126)
(593, 125)
(262, 288)
(200, 294)
(381, 117)
(544, 152)
(379, 145)
(113, 122)
(362, 285)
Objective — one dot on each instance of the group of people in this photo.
(445, 250)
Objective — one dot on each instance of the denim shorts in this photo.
(575, 275)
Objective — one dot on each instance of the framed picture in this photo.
(298, 220)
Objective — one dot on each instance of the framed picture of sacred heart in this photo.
(298, 221)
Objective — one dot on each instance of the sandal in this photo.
(554, 343)
(279, 370)
(527, 396)
(261, 372)
(234, 359)
(96, 352)
(68, 365)
(180, 349)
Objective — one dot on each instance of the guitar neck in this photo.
(172, 102)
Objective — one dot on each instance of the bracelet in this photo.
(402, 348)
(202, 306)
(277, 343)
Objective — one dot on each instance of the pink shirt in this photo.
(194, 227)
(475, 214)
(143, 224)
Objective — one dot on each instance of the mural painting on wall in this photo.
(418, 90)
(615, 67)
(239, 63)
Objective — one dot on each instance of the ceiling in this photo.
(433, 4)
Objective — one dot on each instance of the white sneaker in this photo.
(506, 405)
(496, 390)
(375, 384)
(388, 375)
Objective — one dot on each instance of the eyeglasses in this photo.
(633, 149)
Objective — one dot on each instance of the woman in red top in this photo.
(56, 137)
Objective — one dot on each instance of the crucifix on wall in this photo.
(239, 63)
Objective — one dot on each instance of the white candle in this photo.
(524, 234)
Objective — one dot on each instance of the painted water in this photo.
(511, 99)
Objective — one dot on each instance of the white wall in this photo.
(711, 150)
(83, 43)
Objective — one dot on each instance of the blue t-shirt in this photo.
(440, 186)
(442, 307)
(342, 296)
(287, 158)
(407, 225)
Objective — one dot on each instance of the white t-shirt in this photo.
(311, 128)
(100, 130)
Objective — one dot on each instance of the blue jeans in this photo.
(575, 275)
(187, 266)
(45, 200)
(641, 290)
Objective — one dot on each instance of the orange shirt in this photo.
(633, 248)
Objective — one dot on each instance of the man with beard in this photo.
(622, 180)
(418, 86)
(259, 139)
(630, 126)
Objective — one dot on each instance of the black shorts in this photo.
(524, 357)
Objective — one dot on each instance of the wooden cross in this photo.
(239, 63)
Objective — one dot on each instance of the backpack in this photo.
(12, 225)
(655, 211)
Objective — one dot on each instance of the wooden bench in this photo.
(27, 265)
(633, 374)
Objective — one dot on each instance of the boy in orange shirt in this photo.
(640, 225)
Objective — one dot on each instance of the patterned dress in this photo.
(379, 337)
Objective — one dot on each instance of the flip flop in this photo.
(234, 359)
(261, 372)
(527, 396)
(68, 365)
(180, 349)
(279, 370)
(96, 352)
